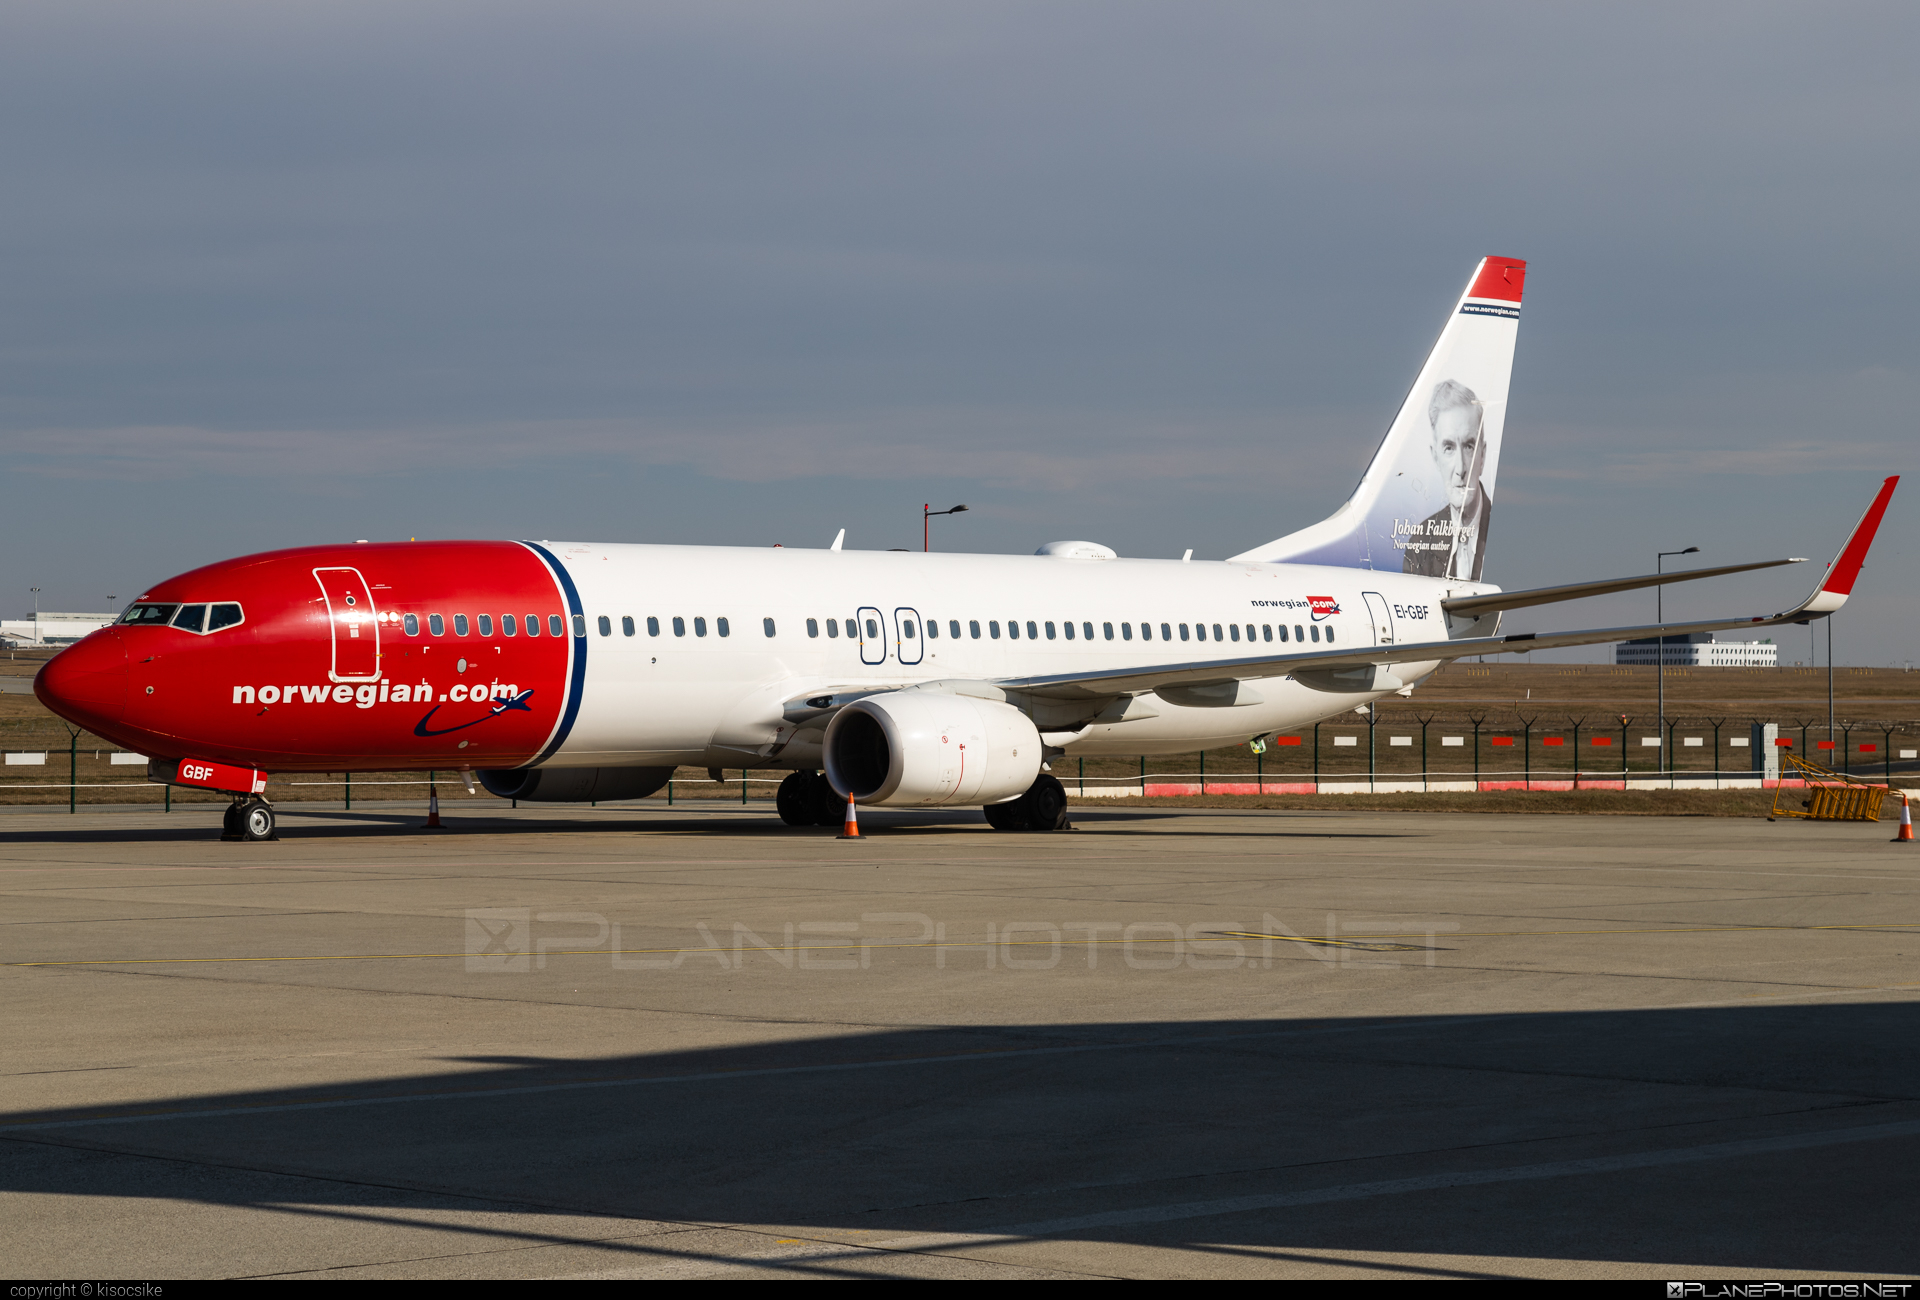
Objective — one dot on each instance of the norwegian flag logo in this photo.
(1323, 606)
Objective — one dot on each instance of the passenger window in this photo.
(1216, 633)
(906, 629)
(1013, 629)
(1283, 631)
(653, 626)
(223, 616)
(509, 625)
(1236, 631)
(1199, 631)
(873, 630)
(1183, 631)
(933, 629)
(1249, 631)
(1146, 631)
(1316, 632)
(190, 618)
(1299, 634)
(1166, 632)
(766, 625)
(833, 627)
(1266, 631)
(626, 625)
(699, 627)
(1126, 631)
(813, 627)
(721, 626)
(533, 625)
(486, 624)
(1069, 631)
(1108, 629)
(953, 628)
(973, 625)
(606, 626)
(579, 625)
(412, 623)
(555, 626)
(993, 628)
(1329, 632)
(436, 625)
(679, 626)
(459, 624)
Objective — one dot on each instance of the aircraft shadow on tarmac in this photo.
(297, 824)
(1008, 1130)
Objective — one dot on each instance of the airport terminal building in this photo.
(1698, 650)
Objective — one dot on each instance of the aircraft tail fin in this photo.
(1425, 502)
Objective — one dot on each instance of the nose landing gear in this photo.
(248, 821)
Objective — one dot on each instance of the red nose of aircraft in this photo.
(87, 683)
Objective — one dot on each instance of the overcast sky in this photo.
(1153, 275)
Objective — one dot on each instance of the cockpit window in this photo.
(190, 618)
(226, 614)
(157, 615)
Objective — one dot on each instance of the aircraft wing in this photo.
(1356, 669)
(1492, 601)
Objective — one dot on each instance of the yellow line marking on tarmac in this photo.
(1374, 945)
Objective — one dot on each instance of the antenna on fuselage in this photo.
(840, 537)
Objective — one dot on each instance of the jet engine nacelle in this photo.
(923, 749)
(573, 784)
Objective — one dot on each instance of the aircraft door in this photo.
(1381, 616)
(872, 625)
(351, 625)
(907, 632)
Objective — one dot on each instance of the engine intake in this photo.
(922, 749)
(573, 784)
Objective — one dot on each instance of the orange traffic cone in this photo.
(433, 807)
(851, 830)
(1906, 825)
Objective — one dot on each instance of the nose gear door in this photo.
(351, 625)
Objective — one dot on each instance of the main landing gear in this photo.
(248, 820)
(807, 799)
(1042, 808)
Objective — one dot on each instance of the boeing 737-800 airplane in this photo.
(566, 671)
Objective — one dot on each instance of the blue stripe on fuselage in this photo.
(578, 678)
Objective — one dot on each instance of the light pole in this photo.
(927, 512)
(36, 614)
(1660, 657)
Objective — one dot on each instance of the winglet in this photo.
(1837, 585)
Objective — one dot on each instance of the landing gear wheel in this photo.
(1047, 805)
(792, 799)
(230, 824)
(827, 807)
(1008, 816)
(1042, 808)
(256, 821)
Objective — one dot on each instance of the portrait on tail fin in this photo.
(1452, 542)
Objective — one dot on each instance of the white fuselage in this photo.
(667, 694)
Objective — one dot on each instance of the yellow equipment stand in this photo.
(1831, 796)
